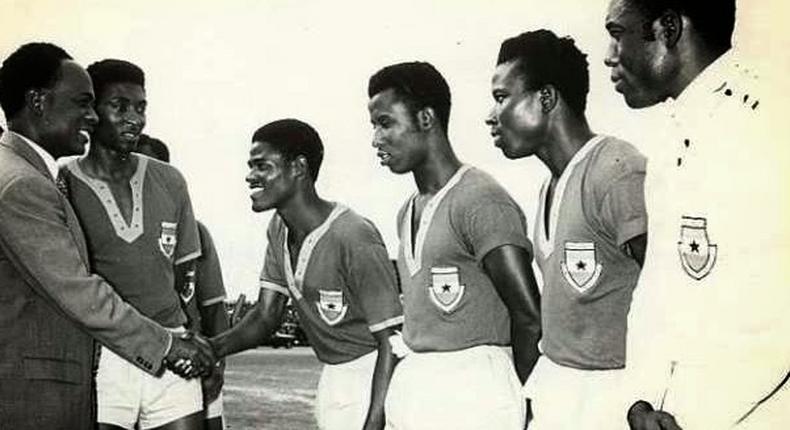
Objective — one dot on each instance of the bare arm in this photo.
(509, 267)
(385, 364)
(257, 326)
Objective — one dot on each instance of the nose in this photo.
(91, 117)
(376, 142)
(491, 118)
(135, 117)
(612, 57)
(250, 176)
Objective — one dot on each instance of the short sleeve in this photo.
(372, 280)
(210, 288)
(272, 275)
(187, 241)
(623, 207)
(494, 220)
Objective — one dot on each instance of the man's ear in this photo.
(670, 28)
(299, 166)
(426, 118)
(34, 99)
(548, 98)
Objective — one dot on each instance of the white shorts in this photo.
(343, 396)
(127, 395)
(214, 409)
(471, 389)
(567, 398)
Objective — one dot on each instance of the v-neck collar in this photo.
(546, 243)
(295, 278)
(134, 229)
(413, 254)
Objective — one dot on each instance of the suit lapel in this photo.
(21, 148)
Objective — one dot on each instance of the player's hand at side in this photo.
(190, 355)
(642, 416)
(212, 384)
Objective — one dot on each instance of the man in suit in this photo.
(51, 306)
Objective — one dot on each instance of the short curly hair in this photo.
(292, 138)
(32, 66)
(110, 71)
(542, 59)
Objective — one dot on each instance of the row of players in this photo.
(705, 324)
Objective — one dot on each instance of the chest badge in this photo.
(167, 238)
(331, 307)
(581, 268)
(446, 290)
(697, 254)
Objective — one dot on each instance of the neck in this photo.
(565, 138)
(305, 211)
(109, 164)
(439, 166)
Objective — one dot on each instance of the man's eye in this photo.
(499, 98)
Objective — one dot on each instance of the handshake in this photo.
(191, 355)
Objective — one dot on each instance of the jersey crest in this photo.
(446, 290)
(580, 267)
(167, 238)
(697, 254)
(331, 307)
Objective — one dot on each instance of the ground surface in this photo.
(271, 389)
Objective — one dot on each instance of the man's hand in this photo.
(642, 416)
(190, 355)
(212, 384)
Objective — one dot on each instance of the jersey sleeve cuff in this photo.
(190, 256)
(213, 301)
(272, 286)
(386, 324)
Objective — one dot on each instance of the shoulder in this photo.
(477, 183)
(162, 171)
(17, 175)
(353, 229)
(614, 159)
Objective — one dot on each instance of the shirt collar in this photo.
(49, 161)
(710, 80)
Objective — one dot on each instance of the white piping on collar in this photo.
(413, 254)
(295, 279)
(128, 232)
(546, 244)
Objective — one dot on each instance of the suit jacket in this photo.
(51, 306)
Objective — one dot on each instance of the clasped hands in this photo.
(191, 355)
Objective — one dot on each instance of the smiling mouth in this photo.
(256, 190)
(85, 136)
(385, 157)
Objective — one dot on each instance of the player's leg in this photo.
(343, 395)
(189, 422)
(118, 385)
(213, 419)
(171, 402)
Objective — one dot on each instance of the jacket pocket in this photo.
(54, 369)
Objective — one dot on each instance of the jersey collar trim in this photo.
(413, 254)
(545, 243)
(295, 278)
(128, 232)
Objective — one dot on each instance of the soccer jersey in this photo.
(209, 287)
(598, 205)
(138, 257)
(343, 284)
(449, 301)
(709, 322)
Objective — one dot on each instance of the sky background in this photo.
(216, 71)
